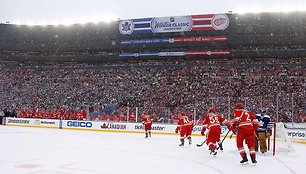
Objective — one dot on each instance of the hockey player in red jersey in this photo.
(185, 126)
(212, 122)
(244, 126)
(147, 122)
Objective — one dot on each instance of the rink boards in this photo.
(99, 126)
(296, 134)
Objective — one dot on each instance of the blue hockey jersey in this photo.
(264, 123)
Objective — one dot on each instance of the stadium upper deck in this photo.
(241, 35)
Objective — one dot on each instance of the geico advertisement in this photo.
(77, 124)
(296, 134)
(95, 125)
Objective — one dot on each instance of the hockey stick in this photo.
(231, 135)
(223, 138)
(199, 145)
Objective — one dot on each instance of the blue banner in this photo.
(137, 54)
(145, 41)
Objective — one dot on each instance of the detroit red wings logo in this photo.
(220, 21)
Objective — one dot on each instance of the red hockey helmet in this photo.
(239, 105)
(213, 110)
(144, 113)
(183, 114)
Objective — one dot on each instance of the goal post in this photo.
(281, 141)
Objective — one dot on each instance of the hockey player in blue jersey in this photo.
(264, 130)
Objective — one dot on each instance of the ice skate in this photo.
(213, 152)
(253, 159)
(182, 144)
(244, 160)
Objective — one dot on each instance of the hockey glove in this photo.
(203, 131)
(268, 133)
(228, 125)
(234, 129)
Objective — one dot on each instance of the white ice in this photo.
(46, 151)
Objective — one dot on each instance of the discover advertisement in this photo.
(296, 133)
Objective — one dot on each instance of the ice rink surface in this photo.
(56, 151)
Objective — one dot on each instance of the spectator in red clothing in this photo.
(104, 117)
(132, 117)
(113, 117)
(83, 114)
(122, 117)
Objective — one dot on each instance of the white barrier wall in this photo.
(295, 134)
(122, 127)
(99, 126)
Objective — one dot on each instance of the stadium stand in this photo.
(83, 71)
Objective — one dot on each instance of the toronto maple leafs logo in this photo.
(126, 26)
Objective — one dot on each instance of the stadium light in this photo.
(55, 23)
(18, 23)
(30, 23)
(105, 18)
(43, 23)
(242, 10)
(82, 21)
(285, 9)
(109, 18)
(67, 22)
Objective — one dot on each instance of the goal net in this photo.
(281, 141)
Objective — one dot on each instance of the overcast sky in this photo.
(60, 11)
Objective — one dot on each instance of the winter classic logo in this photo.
(220, 21)
(126, 26)
(171, 24)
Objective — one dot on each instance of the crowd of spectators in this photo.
(118, 91)
(162, 88)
